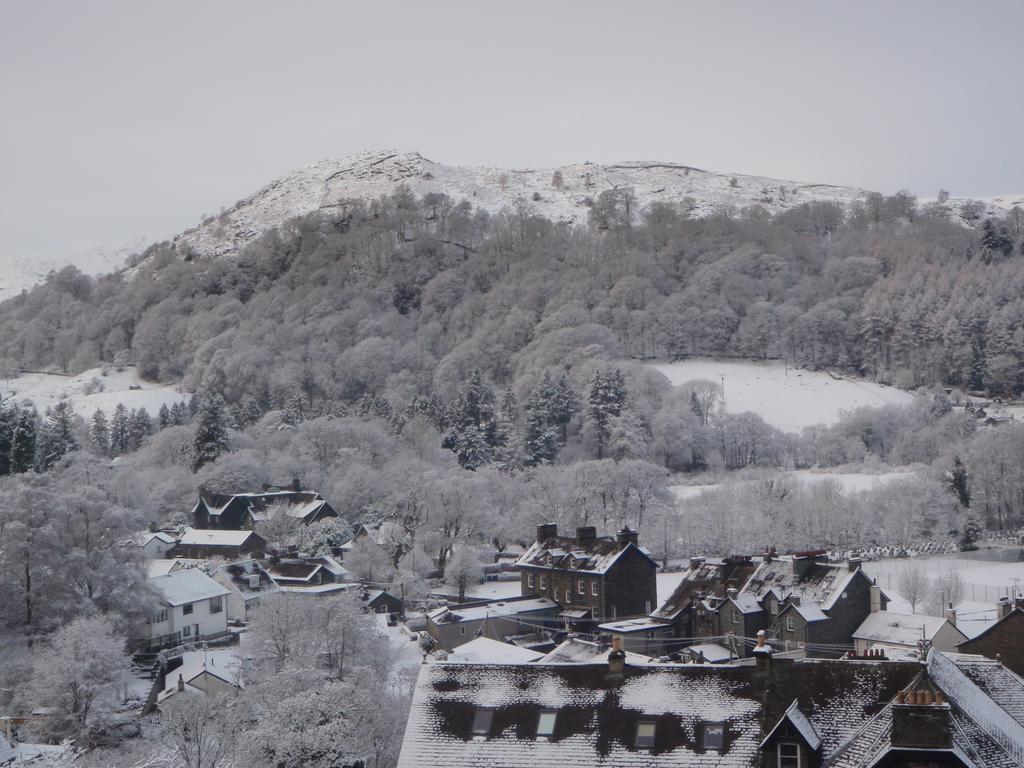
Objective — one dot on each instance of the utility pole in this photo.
(722, 377)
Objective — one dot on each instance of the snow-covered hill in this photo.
(326, 184)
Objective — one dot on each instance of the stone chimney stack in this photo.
(616, 661)
(876, 598)
(547, 531)
(762, 651)
(920, 720)
(731, 593)
(626, 537)
(585, 534)
(951, 615)
(854, 563)
(181, 684)
(296, 485)
(1004, 607)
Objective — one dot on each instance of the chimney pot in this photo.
(181, 684)
(296, 484)
(585, 534)
(627, 537)
(547, 531)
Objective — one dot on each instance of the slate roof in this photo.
(484, 650)
(188, 586)
(575, 651)
(821, 583)
(214, 538)
(597, 555)
(240, 573)
(264, 506)
(799, 721)
(456, 614)
(709, 578)
(898, 628)
(223, 664)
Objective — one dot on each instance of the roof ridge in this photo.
(843, 746)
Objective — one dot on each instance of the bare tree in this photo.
(913, 585)
(947, 590)
(201, 734)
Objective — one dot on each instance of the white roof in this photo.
(163, 536)
(314, 589)
(810, 611)
(188, 586)
(576, 651)
(898, 628)
(634, 625)
(493, 610)
(713, 652)
(483, 650)
(214, 538)
(223, 664)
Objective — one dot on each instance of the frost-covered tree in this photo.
(140, 426)
(164, 416)
(203, 732)
(211, 436)
(78, 674)
(120, 431)
(99, 432)
(23, 441)
(970, 532)
(463, 570)
(8, 419)
(913, 585)
(606, 400)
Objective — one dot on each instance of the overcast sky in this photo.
(133, 118)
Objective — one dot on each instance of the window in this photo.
(789, 756)
(774, 607)
(554, 594)
(158, 617)
(789, 623)
(593, 587)
(543, 581)
(645, 734)
(735, 617)
(581, 587)
(482, 722)
(546, 723)
(187, 608)
(714, 736)
(529, 580)
(216, 604)
(186, 631)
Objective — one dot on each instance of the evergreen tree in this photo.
(563, 406)
(58, 434)
(959, 484)
(164, 416)
(180, 414)
(295, 407)
(120, 435)
(474, 433)
(211, 439)
(970, 532)
(23, 441)
(8, 418)
(607, 396)
(251, 413)
(140, 426)
(99, 433)
(540, 440)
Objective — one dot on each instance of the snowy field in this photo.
(789, 399)
(985, 581)
(851, 482)
(91, 390)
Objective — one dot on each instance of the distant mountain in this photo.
(326, 184)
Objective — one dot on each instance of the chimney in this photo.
(296, 485)
(547, 531)
(732, 593)
(181, 684)
(762, 651)
(951, 615)
(696, 562)
(876, 598)
(616, 661)
(920, 720)
(627, 537)
(854, 563)
(1004, 607)
(585, 534)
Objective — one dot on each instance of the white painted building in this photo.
(192, 607)
(156, 544)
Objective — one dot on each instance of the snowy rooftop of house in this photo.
(634, 625)
(18, 753)
(161, 567)
(812, 580)
(706, 577)
(746, 603)
(241, 573)
(597, 714)
(163, 536)
(898, 628)
(186, 586)
(265, 505)
(809, 611)
(595, 555)
(483, 650)
(576, 651)
(713, 652)
(448, 615)
(223, 664)
(314, 589)
(214, 538)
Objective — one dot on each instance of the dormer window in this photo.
(482, 720)
(546, 723)
(645, 734)
(789, 755)
(714, 736)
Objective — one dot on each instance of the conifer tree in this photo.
(211, 439)
(99, 432)
(8, 418)
(120, 436)
(23, 441)
(139, 427)
(179, 414)
(607, 396)
(58, 434)
(164, 416)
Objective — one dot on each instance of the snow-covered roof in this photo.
(799, 721)
(746, 603)
(163, 536)
(483, 650)
(448, 615)
(898, 628)
(576, 651)
(241, 573)
(813, 581)
(713, 652)
(214, 538)
(809, 611)
(707, 577)
(595, 555)
(634, 625)
(161, 567)
(188, 586)
(314, 589)
(20, 754)
(223, 664)
(597, 713)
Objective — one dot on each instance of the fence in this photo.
(973, 593)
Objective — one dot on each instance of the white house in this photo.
(204, 672)
(156, 544)
(192, 607)
(887, 629)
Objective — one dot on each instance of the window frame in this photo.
(735, 616)
(529, 580)
(479, 728)
(581, 587)
(188, 609)
(553, 713)
(779, 755)
(790, 624)
(593, 588)
(543, 583)
(217, 604)
(646, 742)
(186, 631)
(706, 728)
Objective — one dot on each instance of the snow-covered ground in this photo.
(850, 482)
(787, 398)
(91, 390)
(985, 581)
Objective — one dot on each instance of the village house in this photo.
(451, 626)
(191, 607)
(576, 650)
(1003, 640)
(949, 712)
(248, 582)
(884, 630)
(209, 673)
(199, 543)
(812, 604)
(240, 511)
(383, 602)
(155, 544)
(593, 579)
(308, 575)
(484, 650)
